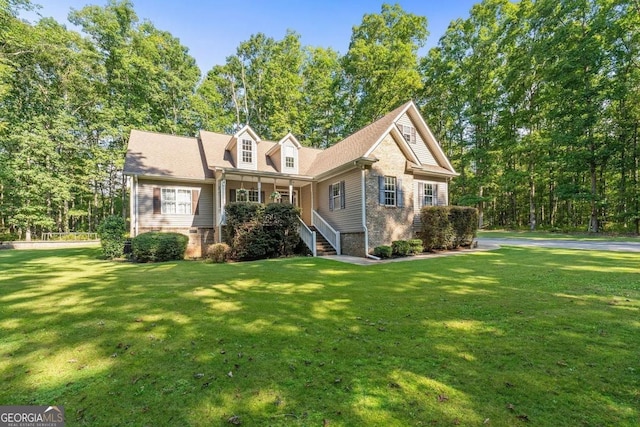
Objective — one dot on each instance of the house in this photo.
(362, 192)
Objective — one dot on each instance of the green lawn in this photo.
(546, 336)
(537, 235)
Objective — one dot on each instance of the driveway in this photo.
(594, 245)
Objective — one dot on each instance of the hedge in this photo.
(157, 246)
(257, 231)
(112, 231)
(400, 248)
(383, 251)
(448, 227)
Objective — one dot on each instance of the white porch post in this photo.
(291, 191)
(136, 206)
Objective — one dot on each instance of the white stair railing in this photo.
(332, 236)
(307, 235)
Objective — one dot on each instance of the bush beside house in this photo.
(157, 246)
(256, 231)
(218, 252)
(112, 232)
(448, 227)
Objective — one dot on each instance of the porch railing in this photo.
(307, 235)
(332, 236)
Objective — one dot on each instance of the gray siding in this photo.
(242, 165)
(147, 218)
(420, 147)
(348, 219)
(443, 192)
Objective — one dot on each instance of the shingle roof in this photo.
(151, 153)
(214, 148)
(355, 146)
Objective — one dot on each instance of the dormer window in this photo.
(289, 157)
(247, 151)
(409, 133)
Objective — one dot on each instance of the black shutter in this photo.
(232, 195)
(381, 189)
(157, 203)
(399, 193)
(342, 196)
(330, 197)
(420, 194)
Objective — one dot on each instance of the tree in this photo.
(381, 65)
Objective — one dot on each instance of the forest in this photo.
(537, 104)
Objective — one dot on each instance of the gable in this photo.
(417, 145)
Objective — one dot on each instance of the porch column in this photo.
(291, 191)
(223, 200)
(136, 206)
(260, 191)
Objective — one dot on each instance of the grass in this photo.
(490, 338)
(539, 235)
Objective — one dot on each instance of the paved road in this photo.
(598, 245)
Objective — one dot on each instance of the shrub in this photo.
(157, 247)
(112, 232)
(464, 221)
(8, 237)
(382, 251)
(280, 221)
(400, 247)
(436, 231)
(218, 252)
(416, 246)
(256, 231)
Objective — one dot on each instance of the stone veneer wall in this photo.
(199, 239)
(352, 244)
(387, 224)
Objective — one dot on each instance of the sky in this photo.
(213, 29)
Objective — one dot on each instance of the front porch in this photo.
(250, 186)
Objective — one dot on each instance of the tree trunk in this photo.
(532, 204)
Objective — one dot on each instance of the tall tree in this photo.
(381, 65)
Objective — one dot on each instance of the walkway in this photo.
(488, 244)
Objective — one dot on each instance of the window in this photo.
(390, 190)
(429, 195)
(391, 193)
(289, 157)
(409, 133)
(247, 151)
(176, 201)
(337, 197)
(245, 196)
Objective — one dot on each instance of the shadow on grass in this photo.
(513, 335)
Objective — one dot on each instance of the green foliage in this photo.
(112, 231)
(464, 221)
(415, 246)
(218, 252)
(436, 231)
(448, 227)
(381, 65)
(256, 231)
(158, 247)
(383, 251)
(8, 237)
(400, 247)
